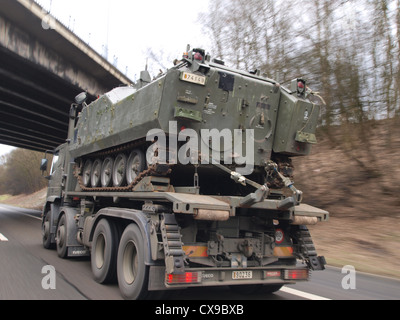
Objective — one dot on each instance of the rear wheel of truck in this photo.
(104, 251)
(131, 269)
(61, 237)
(46, 235)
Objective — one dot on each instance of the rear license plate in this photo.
(238, 275)
(193, 78)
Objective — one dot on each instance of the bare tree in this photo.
(353, 63)
(20, 173)
(397, 93)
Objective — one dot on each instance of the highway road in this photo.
(22, 259)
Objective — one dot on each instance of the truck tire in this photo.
(104, 252)
(131, 269)
(46, 235)
(61, 237)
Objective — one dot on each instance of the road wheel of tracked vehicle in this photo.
(131, 269)
(96, 171)
(106, 172)
(104, 251)
(86, 172)
(136, 164)
(61, 237)
(119, 170)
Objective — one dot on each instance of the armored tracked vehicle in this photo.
(186, 180)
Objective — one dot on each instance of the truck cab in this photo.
(56, 172)
(55, 190)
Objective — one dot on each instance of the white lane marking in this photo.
(30, 216)
(22, 213)
(3, 238)
(302, 294)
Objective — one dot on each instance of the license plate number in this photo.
(238, 275)
(193, 78)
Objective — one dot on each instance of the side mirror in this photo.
(43, 165)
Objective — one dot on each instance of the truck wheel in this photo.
(61, 238)
(131, 270)
(46, 235)
(104, 252)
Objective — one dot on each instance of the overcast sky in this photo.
(130, 27)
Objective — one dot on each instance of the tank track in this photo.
(152, 170)
(174, 254)
(306, 250)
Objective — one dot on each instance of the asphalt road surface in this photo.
(22, 277)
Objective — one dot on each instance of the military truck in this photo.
(186, 180)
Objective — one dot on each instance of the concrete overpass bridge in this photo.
(43, 66)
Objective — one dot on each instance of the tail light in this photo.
(187, 277)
